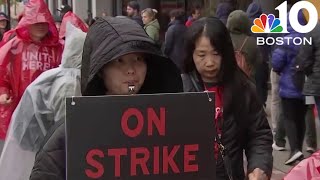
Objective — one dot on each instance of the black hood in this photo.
(108, 39)
(7, 28)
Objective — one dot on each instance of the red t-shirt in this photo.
(218, 90)
(189, 23)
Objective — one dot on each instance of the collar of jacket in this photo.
(196, 82)
(174, 22)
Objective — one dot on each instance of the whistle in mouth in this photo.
(131, 89)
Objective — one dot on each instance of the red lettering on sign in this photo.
(149, 160)
(159, 122)
(94, 163)
(124, 122)
(156, 160)
(190, 157)
(168, 159)
(117, 153)
(139, 161)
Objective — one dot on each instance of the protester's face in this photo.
(130, 11)
(207, 60)
(3, 24)
(128, 70)
(196, 14)
(146, 18)
(58, 24)
(172, 19)
(39, 30)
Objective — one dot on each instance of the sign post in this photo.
(141, 137)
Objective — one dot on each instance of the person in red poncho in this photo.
(33, 50)
(74, 20)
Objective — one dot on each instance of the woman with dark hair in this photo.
(173, 47)
(241, 122)
(4, 24)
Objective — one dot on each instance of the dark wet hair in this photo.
(195, 8)
(134, 5)
(178, 14)
(220, 39)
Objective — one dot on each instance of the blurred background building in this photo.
(118, 7)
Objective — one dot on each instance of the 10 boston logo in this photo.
(270, 24)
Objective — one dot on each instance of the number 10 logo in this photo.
(270, 24)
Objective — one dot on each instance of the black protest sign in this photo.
(141, 137)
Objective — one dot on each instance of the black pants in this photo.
(262, 77)
(280, 134)
(294, 111)
(311, 134)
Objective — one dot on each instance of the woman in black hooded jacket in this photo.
(123, 46)
(241, 122)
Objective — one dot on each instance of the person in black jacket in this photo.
(241, 121)
(174, 38)
(308, 63)
(116, 50)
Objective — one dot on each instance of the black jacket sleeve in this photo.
(308, 54)
(258, 146)
(305, 59)
(169, 40)
(50, 160)
(138, 20)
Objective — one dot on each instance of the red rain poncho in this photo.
(308, 169)
(22, 60)
(7, 36)
(74, 20)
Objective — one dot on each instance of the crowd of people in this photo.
(47, 58)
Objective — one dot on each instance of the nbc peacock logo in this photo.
(270, 24)
(267, 24)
